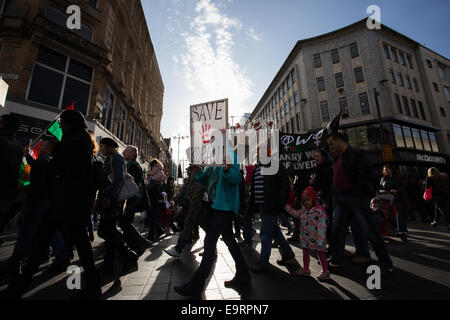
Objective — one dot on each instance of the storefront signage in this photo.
(427, 158)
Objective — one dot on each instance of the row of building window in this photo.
(335, 58)
(339, 79)
(400, 58)
(57, 80)
(414, 138)
(406, 108)
(403, 79)
(290, 126)
(343, 106)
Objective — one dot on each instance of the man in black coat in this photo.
(72, 199)
(10, 158)
(269, 194)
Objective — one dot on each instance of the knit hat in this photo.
(310, 193)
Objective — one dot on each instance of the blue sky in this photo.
(213, 49)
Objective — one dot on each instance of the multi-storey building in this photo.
(344, 70)
(108, 67)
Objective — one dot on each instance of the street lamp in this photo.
(180, 137)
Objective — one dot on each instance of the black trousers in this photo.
(131, 235)
(78, 234)
(114, 239)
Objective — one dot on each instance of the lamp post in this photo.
(180, 137)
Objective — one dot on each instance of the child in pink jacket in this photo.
(313, 227)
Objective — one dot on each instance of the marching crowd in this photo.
(77, 187)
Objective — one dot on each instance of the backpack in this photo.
(100, 178)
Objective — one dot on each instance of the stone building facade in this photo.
(108, 67)
(344, 70)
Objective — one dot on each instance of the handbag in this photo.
(129, 188)
(428, 194)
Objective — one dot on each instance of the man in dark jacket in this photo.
(10, 158)
(352, 191)
(72, 198)
(269, 194)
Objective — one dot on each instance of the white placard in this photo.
(208, 122)
(3, 92)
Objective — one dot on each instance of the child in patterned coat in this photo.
(313, 227)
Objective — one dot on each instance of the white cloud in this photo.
(209, 66)
(251, 33)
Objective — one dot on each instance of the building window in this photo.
(320, 84)
(284, 88)
(108, 109)
(280, 93)
(425, 140)
(317, 61)
(324, 111)
(121, 123)
(294, 78)
(408, 57)
(57, 80)
(288, 129)
(391, 75)
(296, 97)
(441, 69)
(416, 85)
(436, 87)
(408, 137)
(293, 125)
(364, 102)
(406, 105)
(359, 76)
(335, 56)
(398, 103)
(417, 139)
(291, 102)
(343, 107)
(276, 98)
(400, 79)
(394, 54)
(60, 18)
(447, 93)
(339, 80)
(298, 121)
(286, 107)
(386, 51)
(422, 110)
(354, 52)
(399, 141)
(408, 82)
(414, 108)
(282, 112)
(433, 141)
(131, 131)
(289, 83)
(430, 65)
(402, 58)
(443, 112)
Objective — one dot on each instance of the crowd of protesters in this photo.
(77, 185)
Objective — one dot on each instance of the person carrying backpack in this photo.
(140, 202)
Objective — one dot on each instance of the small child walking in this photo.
(313, 227)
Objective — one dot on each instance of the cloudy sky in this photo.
(213, 49)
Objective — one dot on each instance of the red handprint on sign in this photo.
(205, 133)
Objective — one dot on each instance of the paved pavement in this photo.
(422, 272)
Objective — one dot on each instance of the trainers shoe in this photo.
(237, 282)
(335, 265)
(433, 224)
(360, 260)
(323, 276)
(259, 267)
(173, 252)
(302, 272)
(283, 261)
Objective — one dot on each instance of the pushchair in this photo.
(387, 221)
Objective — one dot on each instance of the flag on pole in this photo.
(71, 107)
(35, 150)
(55, 129)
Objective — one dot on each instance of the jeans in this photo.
(347, 207)
(271, 231)
(189, 224)
(247, 225)
(114, 240)
(220, 224)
